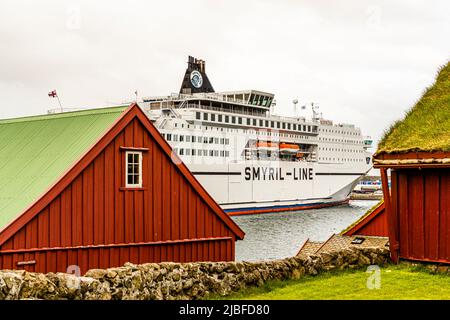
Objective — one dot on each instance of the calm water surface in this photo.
(280, 235)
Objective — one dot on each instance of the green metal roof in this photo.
(36, 151)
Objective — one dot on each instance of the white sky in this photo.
(364, 62)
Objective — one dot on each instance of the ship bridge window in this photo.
(261, 123)
(175, 137)
(205, 116)
(272, 124)
(254, 122)
(248, 121)
(197, 116)
(227, 119)
(239, 120)
(278, 125)
(181, 138)
(289, 126)
(233, 119)
(220, 118)
(169, 137)
(213, 117)
(188, 138)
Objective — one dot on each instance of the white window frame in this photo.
(132, 185)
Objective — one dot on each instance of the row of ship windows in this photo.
(268, 133)
(281, 134)
(199, 139)
(339, 132)
(340, 150)
(202, 152)
(341, 159)
(340, 140)
(252, 121)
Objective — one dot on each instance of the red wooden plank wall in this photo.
(96, 223)
(376, 226)
(421, 201)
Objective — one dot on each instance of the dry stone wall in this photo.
(178, 280)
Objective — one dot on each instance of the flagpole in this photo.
(60, 106)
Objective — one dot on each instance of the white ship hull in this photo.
(265, 186)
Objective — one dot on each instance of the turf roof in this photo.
(426, 126)
(36, 151)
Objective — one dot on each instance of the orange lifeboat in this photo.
(269, 146)
(289, 148)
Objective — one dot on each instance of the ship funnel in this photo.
(195, 79)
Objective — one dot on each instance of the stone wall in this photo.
(178, 280)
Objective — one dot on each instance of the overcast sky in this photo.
(363, 62)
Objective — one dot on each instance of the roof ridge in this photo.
(77, 113)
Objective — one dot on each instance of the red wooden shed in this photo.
(99, 188)
(373, 223)
(417, 151)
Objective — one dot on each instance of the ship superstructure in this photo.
(251, 160)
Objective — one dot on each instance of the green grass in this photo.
(397, 282)
(426, 126)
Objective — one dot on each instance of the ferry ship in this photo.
(251, 160)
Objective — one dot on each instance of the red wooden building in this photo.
(417, 151)
(373, 223)
(99, 188)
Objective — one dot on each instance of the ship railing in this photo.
(181, 96)
(249, 113)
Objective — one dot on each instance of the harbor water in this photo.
(280, 235)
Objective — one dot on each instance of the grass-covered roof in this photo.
(426, 126)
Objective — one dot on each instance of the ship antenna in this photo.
(315, 109)
(295, 101)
